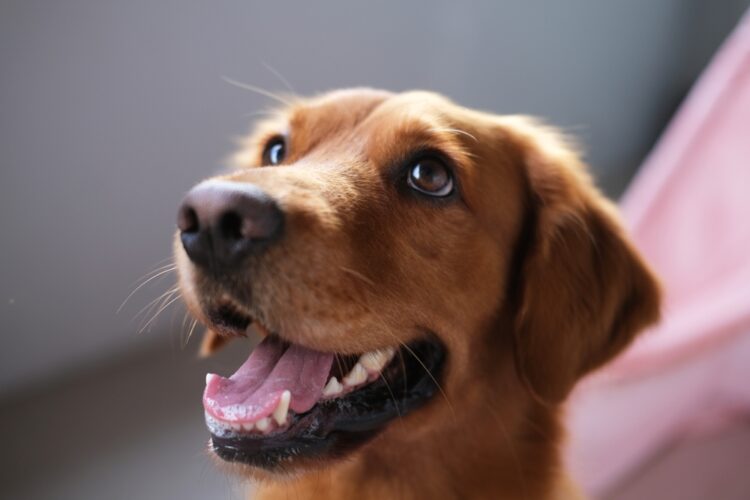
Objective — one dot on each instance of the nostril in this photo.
(230, 226)
(187, 220)
(221, 223)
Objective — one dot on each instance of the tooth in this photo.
(263, 424)
(210, 377)
(333, 387)
(356, 376)
(279, 414)
(248, 426)
(374, 361)
(235, 426)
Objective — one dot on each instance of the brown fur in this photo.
(527, 279)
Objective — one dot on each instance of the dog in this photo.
(429, 283)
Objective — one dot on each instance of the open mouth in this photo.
(288, 402)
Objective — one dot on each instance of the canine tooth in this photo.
(210, 377)
(333, 387)
(279, 414)
(263, 424)
(374, 361)
(248, 426)
(356, 376)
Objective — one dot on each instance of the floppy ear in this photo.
(584, 290)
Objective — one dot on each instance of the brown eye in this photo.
(430, 177)
(275, 151)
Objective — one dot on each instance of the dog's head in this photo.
(402, 257)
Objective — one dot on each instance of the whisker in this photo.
(172, 301)
(183, 326)
(429, 373)
(157, 269)
(257, 90)
(457, 131)
(581, 127)
(357, 274)
(147, 308)
(403, 365)
(184, 321)
(174, 317)
(169, 269)
(279, 76)
(166, 298)
(193, 324)
(261, 112)
(192, 329)
(393, 396)
(413, 354)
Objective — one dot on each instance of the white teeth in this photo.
(333, 387)
(356, 376)
(369, 366)
(263, 424)
(374, 361)
(279, 414)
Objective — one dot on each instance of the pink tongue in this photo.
(253, 392)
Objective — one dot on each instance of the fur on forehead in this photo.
(310, 119)
(381, 125)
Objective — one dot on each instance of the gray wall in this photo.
(110, 110)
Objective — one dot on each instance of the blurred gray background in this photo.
(110, 111)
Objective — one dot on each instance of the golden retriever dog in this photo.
(429, 283)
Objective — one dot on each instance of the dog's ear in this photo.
(583, 291)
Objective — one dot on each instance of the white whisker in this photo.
(457, 131)
(190, 332)
(146, 310)
(357, 274)
(167, 270)
(279, 76)
(161, 309)
(429, 373)
(257, 90)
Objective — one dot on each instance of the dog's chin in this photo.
(329, 410)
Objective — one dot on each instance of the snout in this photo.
(221, 223)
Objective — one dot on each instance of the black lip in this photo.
(332, 428)
(226, 317)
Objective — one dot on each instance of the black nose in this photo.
(223, 222)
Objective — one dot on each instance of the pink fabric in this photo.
(689, 213)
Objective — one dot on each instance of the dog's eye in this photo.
(275, 151)
(431, 177)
